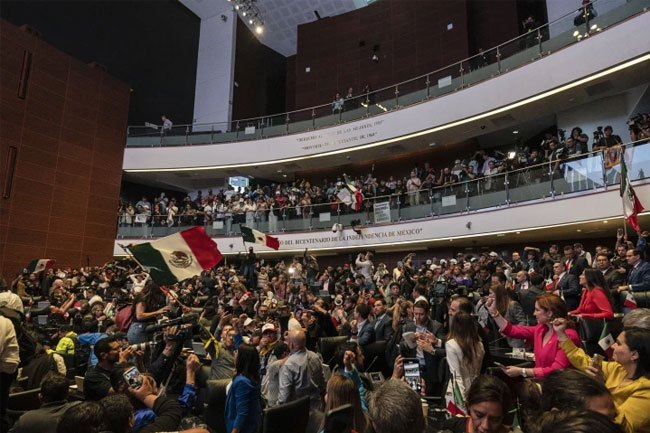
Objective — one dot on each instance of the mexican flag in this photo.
(606, 341)
(630, 302)
(455, 402)
(257, 237)
(631, 204)
(356, 197)
(177, 257)
(39, 265)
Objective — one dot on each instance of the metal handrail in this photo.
(362, 96)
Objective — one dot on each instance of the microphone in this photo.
(185, 318)
(372, 362)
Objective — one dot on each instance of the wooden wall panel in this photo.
(70, 132)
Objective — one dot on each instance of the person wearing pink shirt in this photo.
(594, 303)
(548, 354)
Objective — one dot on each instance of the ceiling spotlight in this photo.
(244, 13)
(605, 221)
(259, 29)
(575, 34)
(237, 7)
(515, 132)
(250, 21)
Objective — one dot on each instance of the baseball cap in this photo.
(493, 254)
(268, 327)
(248, 321)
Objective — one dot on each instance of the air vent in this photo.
(503, 121)
(600, 88)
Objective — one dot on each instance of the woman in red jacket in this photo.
(595, 303)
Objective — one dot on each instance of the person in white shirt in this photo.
(10, 300)
(413, 188)
(364, 265)
(464, 351)
(9, 360)
(167, 125)
(139, 282)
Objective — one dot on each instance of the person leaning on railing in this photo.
(627, 376)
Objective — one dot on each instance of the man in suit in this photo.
(362, 330)
(613, 278)
(566, 285)
(574, 263)
(383, 323)
(638, 279)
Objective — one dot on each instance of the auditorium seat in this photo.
(590, 330)
(24, 401)
(291, 417)
(375, 354)
(216, 405)
(327, 348)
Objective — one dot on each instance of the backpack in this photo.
(26, 340)
(124, 317)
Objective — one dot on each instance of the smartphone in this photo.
(597, 360)
(133, 378)
(339, 420)
(399, 349)
(412, 374)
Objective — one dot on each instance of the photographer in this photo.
(608, 139)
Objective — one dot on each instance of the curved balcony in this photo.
(438, 107)
(592, 177)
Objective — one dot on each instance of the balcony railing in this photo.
(547, 181)
(502, 58)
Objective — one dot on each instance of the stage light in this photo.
(259, 29)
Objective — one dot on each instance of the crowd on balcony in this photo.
(300, 339)
(274, 202)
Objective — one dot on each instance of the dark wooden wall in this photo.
(69, 133)
(409, 37)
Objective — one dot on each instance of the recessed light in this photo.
(578, 230)
(518, 233)
(515, 132)
(605, 221)
(284, 175)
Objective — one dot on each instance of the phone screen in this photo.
(133, 378)
(412, 374)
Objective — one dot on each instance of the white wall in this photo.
(613, 110)
(215, 69)
(559, 9)
(550, 73)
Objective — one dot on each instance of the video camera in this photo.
(190, 318)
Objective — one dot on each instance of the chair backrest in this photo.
(328, 347)
(590, 330)
(291, 417)
(375, 354)
(27, 400)
(216, 405)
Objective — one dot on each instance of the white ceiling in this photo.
(281, 17)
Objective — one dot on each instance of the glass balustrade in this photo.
(524, 49)
(595, 171)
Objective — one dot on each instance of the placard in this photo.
(444, 82)
(217, 225)
(141, 218)
(382, 212)
(449, 200)
(249, 130)
(324, 216)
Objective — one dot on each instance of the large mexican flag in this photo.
(257, 237)
(177, 257)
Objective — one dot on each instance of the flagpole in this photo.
(621, 157)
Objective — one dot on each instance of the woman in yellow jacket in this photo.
(627, 377)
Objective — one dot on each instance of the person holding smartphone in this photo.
(627, 376)
(548, 355)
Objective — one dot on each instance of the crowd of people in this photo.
(303, 199)
(439, 328)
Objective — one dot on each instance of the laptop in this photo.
(199, 348)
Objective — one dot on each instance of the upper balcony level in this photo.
(466, 99)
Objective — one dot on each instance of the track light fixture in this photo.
(249, 10)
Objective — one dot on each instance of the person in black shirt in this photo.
(97, 382)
